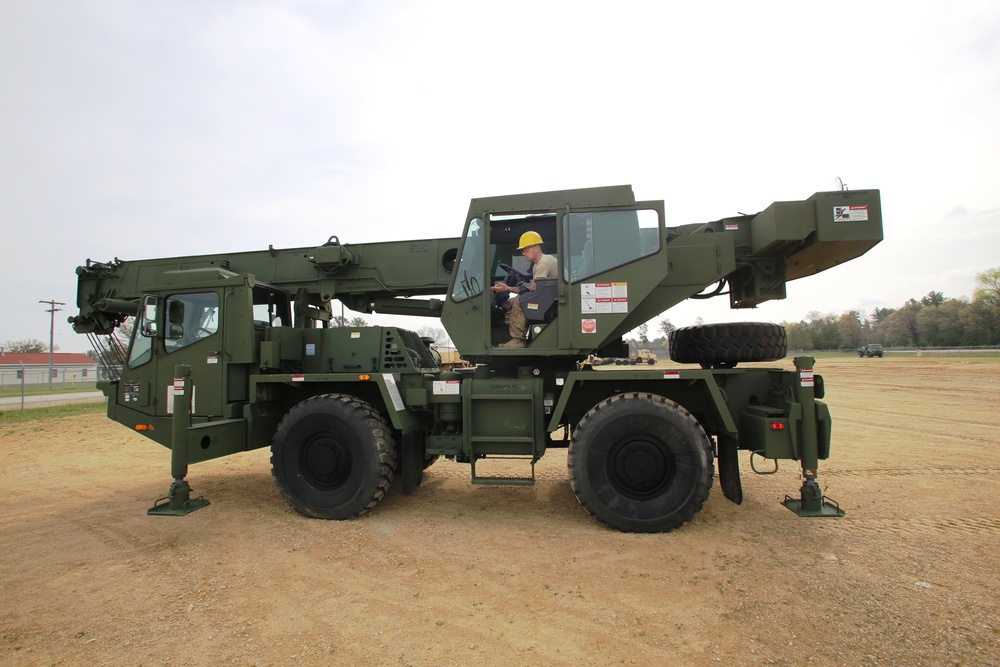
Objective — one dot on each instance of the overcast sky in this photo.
(153, 128)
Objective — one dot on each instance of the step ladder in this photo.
(488, 441)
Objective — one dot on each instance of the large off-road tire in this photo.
(333, 457)
(640, 463)
(728, 344)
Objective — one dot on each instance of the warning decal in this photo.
(604, 298)
(850, 213)
(444, 387)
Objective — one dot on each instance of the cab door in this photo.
(192, 335)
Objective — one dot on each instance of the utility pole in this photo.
(52, 327)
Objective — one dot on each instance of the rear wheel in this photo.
(725, 345)
(333, 457)
(640, 463)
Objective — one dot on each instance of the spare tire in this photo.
(725, 345)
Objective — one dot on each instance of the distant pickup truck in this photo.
(873, 350)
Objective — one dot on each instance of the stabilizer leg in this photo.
(811, 501)
(178, 501)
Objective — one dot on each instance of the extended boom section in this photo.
(365, 277)
(238, 351)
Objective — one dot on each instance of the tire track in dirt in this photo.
(913, 527)
(118, 539)
(917, 471)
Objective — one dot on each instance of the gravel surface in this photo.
(473, 575)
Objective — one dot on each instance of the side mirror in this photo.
(149, 310)
(175, 331)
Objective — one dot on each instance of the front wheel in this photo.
(640, 463)
(333, 457)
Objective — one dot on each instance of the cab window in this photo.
(601, 240)
(141, 350)
(271, 307)
(469, 277)
(190, 318)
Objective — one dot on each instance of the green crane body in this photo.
(233, 352)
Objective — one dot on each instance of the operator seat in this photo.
(540, 305)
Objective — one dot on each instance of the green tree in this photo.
(824, 330)
(986, 299)
(979, 325)
(903, 326)
(951, 329)
(878, 315)
(851, 330)
(933, 298)
(799, 336)
(988, 287)
(941, 324)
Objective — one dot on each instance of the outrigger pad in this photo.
(813, 503)
(177, 502)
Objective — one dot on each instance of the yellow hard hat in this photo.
(529, 239)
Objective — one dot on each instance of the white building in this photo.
(68, 369)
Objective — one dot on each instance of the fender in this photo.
(695, 389)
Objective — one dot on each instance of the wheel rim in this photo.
(640, 467)
(325, 461)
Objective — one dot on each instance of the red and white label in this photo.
(444, 387)
(178, 386)
(588, 326)
(850, 213)
(299, 378)
(806, 376)
(671, 375)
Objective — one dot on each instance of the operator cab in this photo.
(593, 234)
(198, 319)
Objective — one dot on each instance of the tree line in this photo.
(933, 320)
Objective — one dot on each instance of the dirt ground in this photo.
(471, 575)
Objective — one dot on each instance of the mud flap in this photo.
(411, 461)
(729, 469)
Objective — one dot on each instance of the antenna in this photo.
(841, 185)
